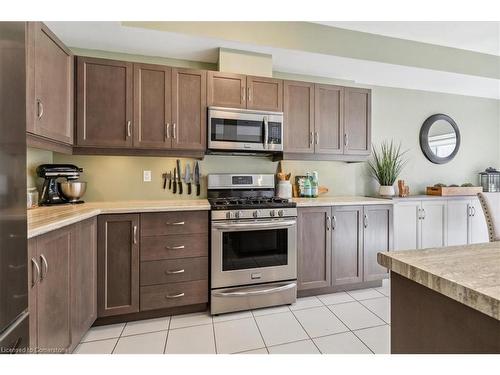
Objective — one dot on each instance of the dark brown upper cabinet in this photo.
(226, 90)
(189, 109)
(152, 106)
(337, 128)
(49, 86)
(314, 248)
(357, 121)
(241, 91)
(328, 110)
(104, 103)
(298, 111)
(265, 94)
(117, 264)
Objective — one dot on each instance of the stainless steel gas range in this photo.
(253, 244)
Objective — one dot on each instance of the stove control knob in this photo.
(228, 215)
(281, 213)
(272, 213)
(237, 214)
(256, 214)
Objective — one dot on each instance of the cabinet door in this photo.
(117, 264)
(407, 225)
(227, 90)
(33, 278)
(264, 94)
(152, 106)
(477, 223)
(347, 245)
(53, 64)
(189, 109)
(54, 302)
(433, 223)
(104, 103)
(83, 279)
(314, 248)
(457, 225)
(298, 117)
(357, 121)
(377, 237)
(328, 119)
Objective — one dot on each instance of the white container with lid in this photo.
(284, 189)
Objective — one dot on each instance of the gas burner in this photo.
(233, 203)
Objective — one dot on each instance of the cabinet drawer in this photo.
(174, 247)
(172, 295)
(167, 223)
(174, 271)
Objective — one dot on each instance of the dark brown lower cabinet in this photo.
(338, 246)
(118, 264)
(314, 248)
(62, 290)
(347, 245)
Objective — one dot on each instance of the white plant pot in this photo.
(387, 191)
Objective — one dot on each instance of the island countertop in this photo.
(45, 219)
(468, 274)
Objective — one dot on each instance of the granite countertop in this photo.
(468, 274)
(45, 219)
(339, 201)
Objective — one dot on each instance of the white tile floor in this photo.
(344, 322)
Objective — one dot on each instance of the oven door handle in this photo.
(255, 292)
(257, 225)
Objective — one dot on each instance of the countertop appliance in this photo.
(52, 193)
(490, 180)
(245, 131)
(14, 319)
(253, 243)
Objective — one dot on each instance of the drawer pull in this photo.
(176, 223)
(173, 272)
(180, 247)
(174, 295)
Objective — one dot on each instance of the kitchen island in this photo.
(445, 300)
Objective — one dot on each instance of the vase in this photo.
(386, 191)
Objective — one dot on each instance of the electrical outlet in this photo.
(146, 176)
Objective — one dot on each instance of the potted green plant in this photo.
(386, 165)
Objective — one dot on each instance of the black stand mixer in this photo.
(53, 192)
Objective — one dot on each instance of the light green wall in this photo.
(34, 158)
(396, 114)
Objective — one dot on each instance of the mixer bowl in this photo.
(73, 190)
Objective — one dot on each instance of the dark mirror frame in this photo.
(424, 138)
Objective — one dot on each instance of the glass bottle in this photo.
(314, 185)
(307, 186)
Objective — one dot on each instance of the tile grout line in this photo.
(118, 339)
(378, 316)
(168, 332)
(215, 339)
(307, 333)
(260, 333)
(364, 343)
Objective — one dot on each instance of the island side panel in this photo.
(426, 322)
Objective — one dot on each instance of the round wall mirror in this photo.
(439, 138)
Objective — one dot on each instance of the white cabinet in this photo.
(434, 222)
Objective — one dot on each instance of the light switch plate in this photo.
(146, 176)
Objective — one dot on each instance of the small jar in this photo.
(284, 189)
(32, 198)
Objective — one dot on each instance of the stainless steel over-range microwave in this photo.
(244, 130)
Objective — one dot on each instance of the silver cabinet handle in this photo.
(46, 264)
(39, 108)
(365, 220)
(334, 222)
(255, 292)
(34, 280)
(423, 214)
(180, 247)
(469, 210)
(249, 94)
(167, 130)
(174, 130)
(328, 221)
(242, 94)
(174, 295)
(129, 128)
(419, 214)
(346, 139)
(316, 136)
(135, 234)
(175, 223)
(174, 272)
(473, 211)
(311, 138)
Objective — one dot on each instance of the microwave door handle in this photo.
(266, 132)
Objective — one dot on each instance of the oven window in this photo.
(226, 130)
(254, 249)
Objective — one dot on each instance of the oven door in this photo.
(248, 252)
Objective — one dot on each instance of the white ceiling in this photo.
(476, 36)
(112, 36)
